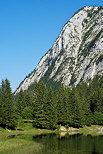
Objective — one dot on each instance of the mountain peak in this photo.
(77, 53)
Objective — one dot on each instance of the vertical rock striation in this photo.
(77, 53)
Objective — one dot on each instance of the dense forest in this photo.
(49, 108)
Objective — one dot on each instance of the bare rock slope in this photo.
(77, 53)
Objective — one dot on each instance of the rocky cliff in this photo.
(77, 53)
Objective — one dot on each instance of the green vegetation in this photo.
(52, 143)
(7, 109)
(100, 58)
(46, 108)
(18, 144)
(93, 130)
(95, 39)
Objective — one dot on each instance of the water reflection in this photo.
(70, 144)
(14, 136)
(62, 134)
(63, 143)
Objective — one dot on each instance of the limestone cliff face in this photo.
(77, 53)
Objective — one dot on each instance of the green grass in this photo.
(18, 144)
(92, 130)
(20, 140)
(23, 126)
(17, 141)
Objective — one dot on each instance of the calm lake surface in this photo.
(59, 144)
(70, 144)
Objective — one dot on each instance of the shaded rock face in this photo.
(77, 53)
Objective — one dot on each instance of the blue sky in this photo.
(28, 28)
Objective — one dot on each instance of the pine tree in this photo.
(82, 98)
(7, 112)
(20, 102)
(62, 106)
(38, 105)
(75, 114)
(43, 107)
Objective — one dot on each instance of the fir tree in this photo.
(7, 111)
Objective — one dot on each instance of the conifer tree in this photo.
(7, 112)
(62, 106)
(82, 98)
(20, 102)
(38, 105)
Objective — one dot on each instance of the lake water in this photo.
(59, 144)
(70, 144)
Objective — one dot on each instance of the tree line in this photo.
(48, 108)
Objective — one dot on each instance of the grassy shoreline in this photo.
(34, 131)
(22, 140)
(17, 141)
(86, 130)
(93, 130)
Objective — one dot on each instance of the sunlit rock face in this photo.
(77, 53)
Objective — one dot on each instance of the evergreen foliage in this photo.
(7, 110)
(79, 106)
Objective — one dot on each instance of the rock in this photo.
(77, 53)
(62, 128)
